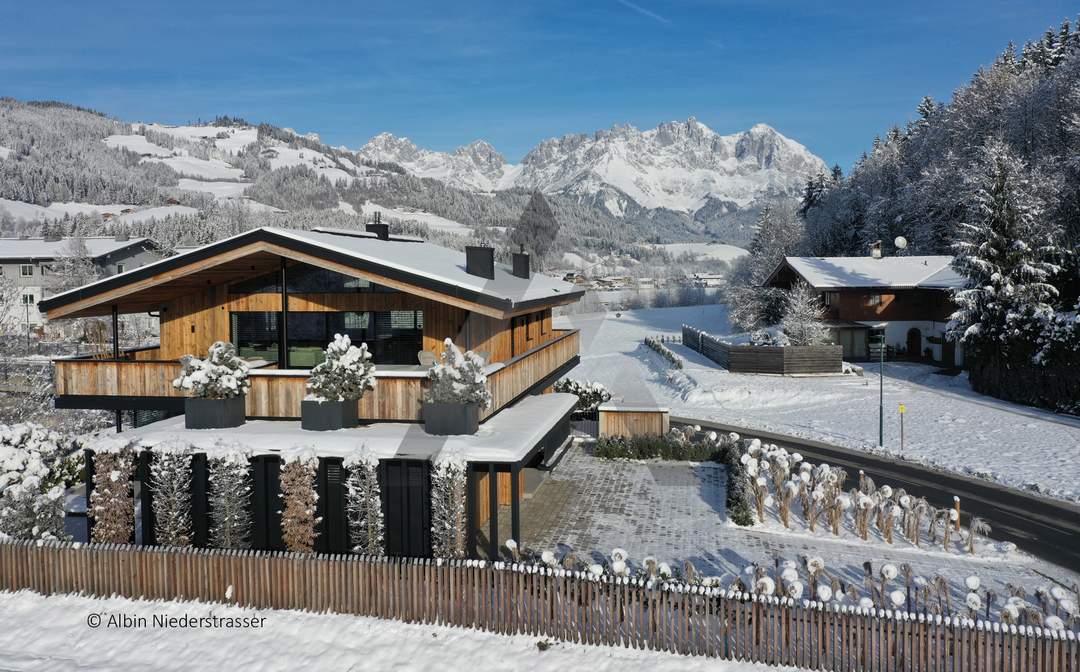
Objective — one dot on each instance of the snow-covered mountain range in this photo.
(683, 166)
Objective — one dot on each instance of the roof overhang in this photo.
(216, 263)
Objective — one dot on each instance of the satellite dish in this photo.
(900, 242)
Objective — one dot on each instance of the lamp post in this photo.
(881, 390)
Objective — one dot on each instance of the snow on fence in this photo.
(789, 359)
(542, 601)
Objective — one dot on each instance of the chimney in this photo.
(480, 261)
(379, 229)
(875, 250)
(521, 264)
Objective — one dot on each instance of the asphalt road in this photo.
(1042, 526)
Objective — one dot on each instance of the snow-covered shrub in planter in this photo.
(336, 385)
(449, 525)
(457, 394)
(363, 503)
(170, 476)
(590, 395)
(32, 475)
(230, 500)
(112, 506)
(299, 499)
(218, 385)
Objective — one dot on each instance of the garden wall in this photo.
(792, 359)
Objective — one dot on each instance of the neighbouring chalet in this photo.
(905, 299)
(280, 296)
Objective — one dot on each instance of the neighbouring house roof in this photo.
(401, 259)
(931, 272)
(39, 249)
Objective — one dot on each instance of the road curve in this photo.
(1042, 526)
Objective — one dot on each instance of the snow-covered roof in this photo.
(44, 250)
(870, 273)
(507, 437)
(424, 264)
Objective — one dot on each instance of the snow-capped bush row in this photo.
(590, 394)
(659, 344)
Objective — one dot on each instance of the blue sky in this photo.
(829, 74)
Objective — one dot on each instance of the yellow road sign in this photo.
(903, 408)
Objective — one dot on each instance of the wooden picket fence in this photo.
(569, 606)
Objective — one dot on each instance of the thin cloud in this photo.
(644, 12)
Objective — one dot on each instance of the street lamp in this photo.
(881, 389)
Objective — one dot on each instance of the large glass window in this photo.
(393, 337)
(306, 279)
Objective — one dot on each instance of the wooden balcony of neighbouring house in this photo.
(138, 380)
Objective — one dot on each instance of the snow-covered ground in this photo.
(138, 144)
(717, 251)
(220, 189)
(159, 212)
(432, 221)
(946, 424)
(236, 140)
(29, 211)
(206, 169)
(52, 634)
(284, 157)
(5, 152)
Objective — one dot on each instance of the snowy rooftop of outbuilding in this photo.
(39, 248)
(868, 272)
(507, 437)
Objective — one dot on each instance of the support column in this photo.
(472, 528)
(493, 512)
(88, 472)
(283, 325)
(116, 355)
(146, 498)
(515, 505)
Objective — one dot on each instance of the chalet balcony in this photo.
(139, 381)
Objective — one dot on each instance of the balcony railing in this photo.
(147, 383)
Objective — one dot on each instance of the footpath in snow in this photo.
(946, 425)
(54, 634)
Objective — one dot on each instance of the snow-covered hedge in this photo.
(32, 474)
(112, 505)
(590, 394)
(658, 343)
(459, 378)
(299, 498)
(363, 503)
(769, 337)
(230, 500)
(222, 375)
(449, 526)
(345, 374)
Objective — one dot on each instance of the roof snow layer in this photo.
(867, 272)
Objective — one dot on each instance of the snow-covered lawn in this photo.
(946, 423)
(207, 169)
(52, 634)
(136, 143)
(716, 251)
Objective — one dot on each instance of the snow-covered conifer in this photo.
(112, 505)
(803, 316)
(449, 527)
(170, 475)
(363, 501)
(345, 374)
(459, 378)
(230, 500)
(537, 228)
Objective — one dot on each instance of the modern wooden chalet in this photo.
(280, 295)
(906, 300)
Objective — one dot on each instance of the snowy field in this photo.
(206, 169)
(946, 424)
(136, 143)
(716, 251)
(220, 189)
(51, 634)
(32, 212)
(237, 139)
(434, 222)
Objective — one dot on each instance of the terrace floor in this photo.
(674, 511)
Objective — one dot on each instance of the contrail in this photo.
(644, 12)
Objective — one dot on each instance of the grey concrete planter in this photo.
(213, 413)
(323, 416)
(443, 419)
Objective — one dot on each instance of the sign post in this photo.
(903, 410)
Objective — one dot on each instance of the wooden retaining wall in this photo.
(633, 421)
(792, 359)
(571, 607)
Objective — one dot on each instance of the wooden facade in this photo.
(890, 304)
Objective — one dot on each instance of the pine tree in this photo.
(537, 228)
(1007, 256)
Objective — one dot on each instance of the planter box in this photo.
(213, 413)
(443, 419)
(323, 416)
